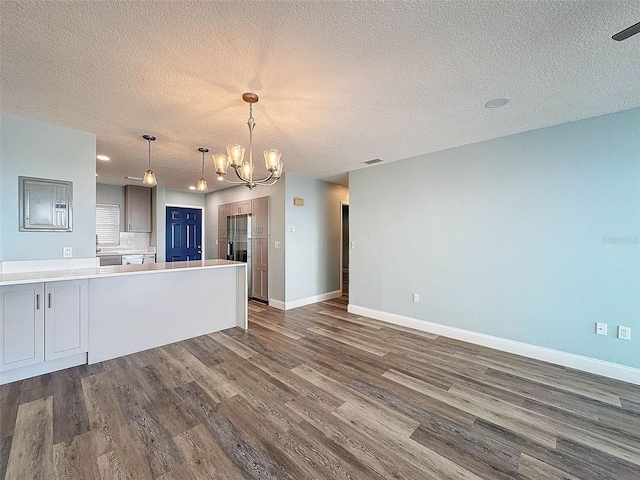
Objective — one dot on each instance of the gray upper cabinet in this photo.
(137, 203)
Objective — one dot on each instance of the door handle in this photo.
(37, 301)
(49, 300)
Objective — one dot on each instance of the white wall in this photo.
(34, 149)
(531, 237)
(313, 251)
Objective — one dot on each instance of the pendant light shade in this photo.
(149, 177)
(202, 183)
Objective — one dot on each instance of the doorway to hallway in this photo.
(344, 253)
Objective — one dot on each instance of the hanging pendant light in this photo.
(149, 177)
(202, 183)
(235, 157)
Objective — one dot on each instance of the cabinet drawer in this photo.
(110, 260)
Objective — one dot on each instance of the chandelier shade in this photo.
(221, 162)
(272, 159)
(236, 154)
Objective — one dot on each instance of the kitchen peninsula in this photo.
(119, 310)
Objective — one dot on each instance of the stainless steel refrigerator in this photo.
(239, 242)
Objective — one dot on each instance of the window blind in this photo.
(108, 224)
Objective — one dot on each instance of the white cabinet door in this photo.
(21, 325)
(66, 319)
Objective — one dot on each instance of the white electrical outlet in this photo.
(292, 229)
(67, 252)
(416, 297)
(624, 333)
(276, 245)
(601, 328)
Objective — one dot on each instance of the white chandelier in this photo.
(235, 157)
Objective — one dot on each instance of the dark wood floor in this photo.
(316, 393)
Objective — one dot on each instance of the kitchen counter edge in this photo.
(112, 271)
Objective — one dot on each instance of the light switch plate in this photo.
(292, 229)
(601, 328)
(624, 333)
(353, 245)
(276, 245)
(67, 252)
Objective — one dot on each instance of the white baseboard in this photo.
(571, 360)
(29, 371)
(304, 301)
(276, 304)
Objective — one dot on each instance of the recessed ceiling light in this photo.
(192, 187)
(104, 158)
(497, 103)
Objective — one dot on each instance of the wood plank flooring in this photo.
(318, 393)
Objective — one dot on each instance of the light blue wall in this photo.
(158, 222)
(312, 261)
(531, 237)
(35, 149)
(176, 198)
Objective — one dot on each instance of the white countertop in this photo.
(111, 271)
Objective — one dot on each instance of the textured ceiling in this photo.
(339, 82)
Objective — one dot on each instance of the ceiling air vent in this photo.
(374, 161)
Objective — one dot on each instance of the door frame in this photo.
(343, 204)
(195, 207)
